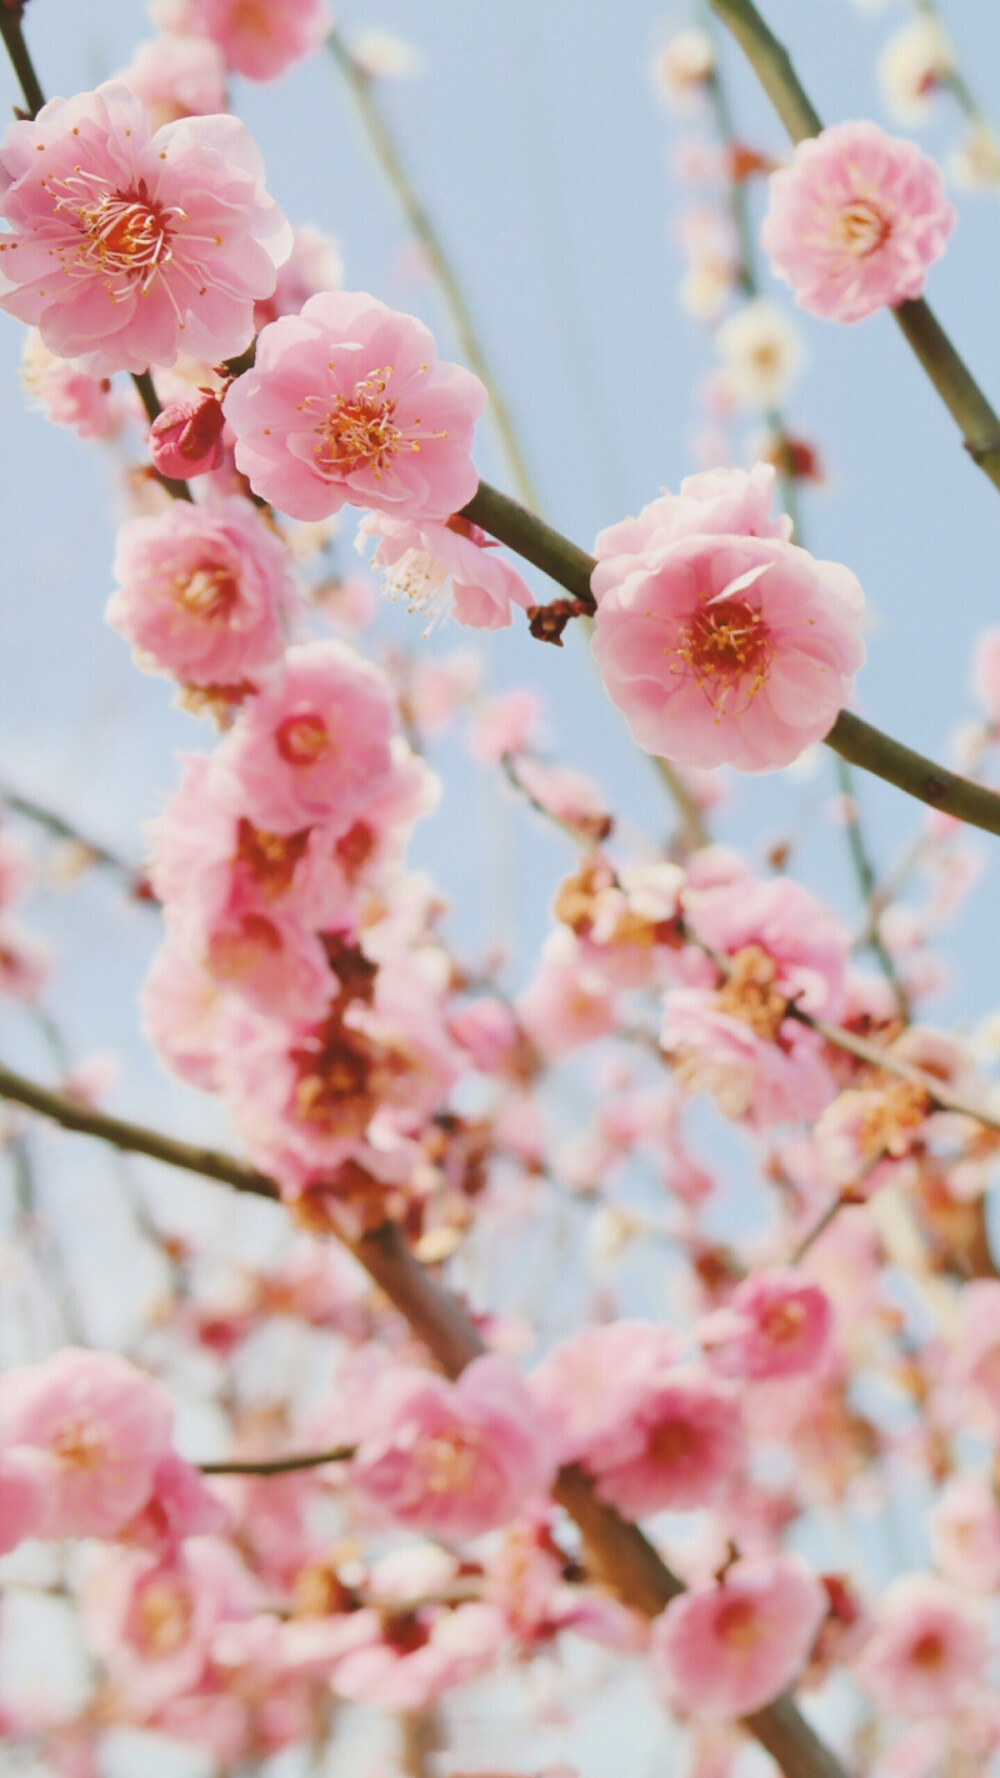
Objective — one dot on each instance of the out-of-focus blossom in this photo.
(314, 265)
(441, 570)
(915, 63)
(683, 68)
(66, 394)
(506, 724)
(928, 1650)
(383, 55)
(855, 222)
(761, 352)
(258, 38)
(177, 77)
(777, 1324)
(975, 163)
(113, 277)
(727, 1650)
(965, 1533)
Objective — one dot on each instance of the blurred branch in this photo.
(926, 337)
(425, 231)
(266, 1466)
(61, 829)
(854, 739)
(868, 884)
(17, 49)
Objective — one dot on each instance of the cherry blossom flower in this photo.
(409, 1666)
(26, 962)
(101, 1425)
(777, 1324)
(347, 404)
(201, 592)
(445, 570)
(679, 1447)
(855, 221)
(127, 246)
(452, 1459)
(567, 1003)
(177, 77)
(67, 395)
(257, 37)
(726, 650)
(727, 1650)
(928, 1650)
(315, 748)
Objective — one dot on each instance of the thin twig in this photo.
(61, 829)
(17, 49)
(267, 1466)
(868, 884)
(958, 389)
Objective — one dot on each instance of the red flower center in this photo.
(302, 740)
(726, 645)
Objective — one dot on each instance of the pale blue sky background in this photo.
(537, 139)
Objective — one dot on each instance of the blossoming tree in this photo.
(606, 1331)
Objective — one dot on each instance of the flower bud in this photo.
(186, 438)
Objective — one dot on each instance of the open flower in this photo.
(258, 38)
(347, 405)
(128, 247)
(450, 569)
(730, 650)
(728, 1649)
(855, 221)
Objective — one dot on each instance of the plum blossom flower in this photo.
(126, 246)
(726, 650)
(726, 1650)
(917, 60)
(347, 404)
(315, 748)
(102, 1427)
(259, 38)
(679, 1447)
(590, 1383)
(808, 947)
(181, 1009)
(201, 592)
(777, 1324)
(682, 69)
(855, 221)
(928, 1650)
(314, 264)
(452, 1459)
(445, 570)
(739, 1047)
(761, 352)
(724, 502)
(177, 77)
(965, 1533)
(66, 394)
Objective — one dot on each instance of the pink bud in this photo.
(186, 438)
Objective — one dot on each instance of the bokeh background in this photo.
(535, 133)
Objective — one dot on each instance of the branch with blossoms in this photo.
(430, 1476)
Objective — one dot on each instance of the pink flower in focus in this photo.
(680, 1447)
(777, 1324)
(201, 592)
(177, 77)
(186, 438)
(25, 1496)
(452, 1459)
(928, 1650)
(66, 394)
(727, 1650)
(726, 650)
(127, 247)
(443, 570)
(313, 749)
(347, 404)
(259, 38)
(717, 502)
(855, 221)
(102, 1426)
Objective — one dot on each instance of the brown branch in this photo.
(267, 1466)
(17, 49)
(951, 377)
(531, 538)
(61, 829)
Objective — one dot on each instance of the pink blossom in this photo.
(855, 221)
(986, 673)
(186, 438)
(680, 1447)
(26, 962)
(807, 945)
(777, 1324)
(314, 264)
(258, 38)
(505, 724)
(181, 1505)
(102, 1426)
(727, 1650)
(443, 570)
(567, 1003)
(16, 869)
(67, 395)
(272, 960)
(750, 1074)
(452, 1459)
(726, 650)
(928, 1650)
(347, 404)
(965, 1533)
(429, 1656)
(25, 1496)
(201, 592)
(126, 246)
(438, 687)
(177, 77)
(568, 796)
(593, 1382)
(315, 748)
(977, 1354)
(181, 1009)
(717, 502)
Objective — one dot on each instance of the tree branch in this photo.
(952, 379)
(267, 1466)
(17, 49)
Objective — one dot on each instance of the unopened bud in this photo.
(186, 438)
